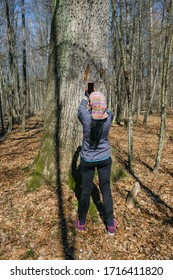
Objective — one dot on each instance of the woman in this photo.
(95, 153)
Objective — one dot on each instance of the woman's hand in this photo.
(86, 92)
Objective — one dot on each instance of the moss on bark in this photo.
(117, 173)
(44, 166)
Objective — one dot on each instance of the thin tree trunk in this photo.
(151, 63)
(164, 85)
(152, 96)
(1, 108)
(1, 115)
(127, 86)
(139, 66)
(24, 66)
(11, 94)
(119, 98)
(153, 78)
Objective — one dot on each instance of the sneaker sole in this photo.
(79, 229)
(111, 234)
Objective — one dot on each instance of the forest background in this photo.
(49, 51)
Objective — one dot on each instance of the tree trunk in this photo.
(11, 94)
(1, 116)
(1, 108)
(152, 95)
(127, 86)
(153, 78)
(24, 66)
(139, 66)
(151, 63)
(164, 84)
(119, 98)
(79, 37)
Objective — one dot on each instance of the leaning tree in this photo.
(78, 52)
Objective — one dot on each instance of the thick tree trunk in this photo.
(79, 41)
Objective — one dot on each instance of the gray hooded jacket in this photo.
(102, 151)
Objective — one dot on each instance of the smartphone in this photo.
(90, 88)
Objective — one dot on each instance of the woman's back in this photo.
(88, 152)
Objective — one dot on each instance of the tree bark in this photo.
(1, 113)
(11, 94)
(1, 107)
(79, 36)
(151, 64)
(127, 86)
(139, 65)
(153, 77)
(24, 66)
(164, 84)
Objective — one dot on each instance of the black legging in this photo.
(87, 172)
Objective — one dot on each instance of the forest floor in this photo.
(40, 224)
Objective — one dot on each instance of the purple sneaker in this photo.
(111, 230)
(79, 226)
